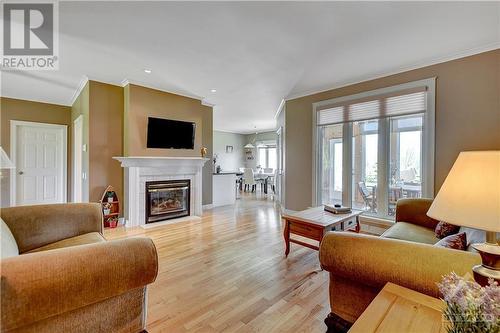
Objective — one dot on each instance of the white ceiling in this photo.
(254, 54)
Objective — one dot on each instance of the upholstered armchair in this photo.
(68, 278)
(360, 265)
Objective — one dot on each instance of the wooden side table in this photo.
(399, 309)
(313, 223)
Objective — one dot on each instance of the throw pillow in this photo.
(9, 245)
(456, 241)
(444, 229)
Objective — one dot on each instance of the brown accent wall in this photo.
(105, 139)
(142, 102)
(101, 106)
(16, 109)
(467, 117)
(146, 102)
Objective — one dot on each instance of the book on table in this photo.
(337, 209)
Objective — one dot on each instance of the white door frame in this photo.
(14, 124)
(77, 150)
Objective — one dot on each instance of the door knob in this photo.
(21, 172)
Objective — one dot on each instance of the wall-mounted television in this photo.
(170, 134)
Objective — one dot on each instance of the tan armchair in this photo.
(360, 265)
(68, 277)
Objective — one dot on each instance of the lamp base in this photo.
(490, 267)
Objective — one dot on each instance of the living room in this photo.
(246, 167)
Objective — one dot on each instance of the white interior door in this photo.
(78, 159)
(40, 151)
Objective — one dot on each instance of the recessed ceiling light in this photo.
(148, 71)
(213, 90)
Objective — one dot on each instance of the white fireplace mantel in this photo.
(140, 169)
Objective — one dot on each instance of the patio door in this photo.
(40, 156)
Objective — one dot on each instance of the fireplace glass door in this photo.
(167, 199)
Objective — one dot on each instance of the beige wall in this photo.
(142, 102)
(207, 141)
(105, 139)
(15, 109)
(467, 117)
(81, 108)
(101, 106)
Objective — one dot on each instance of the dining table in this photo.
(263, 176)
(258, 176)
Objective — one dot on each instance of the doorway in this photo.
(39, 151)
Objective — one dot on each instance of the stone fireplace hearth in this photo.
(140, 171)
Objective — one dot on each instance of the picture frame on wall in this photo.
(229, 149)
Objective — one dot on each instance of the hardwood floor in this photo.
(228, 273)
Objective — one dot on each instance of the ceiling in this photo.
(253, 54)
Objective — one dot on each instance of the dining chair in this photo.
(249, 179)
(368, 198)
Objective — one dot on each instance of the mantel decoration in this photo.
(470, 308)
(203, 151)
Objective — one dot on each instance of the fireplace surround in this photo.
(141, 169)
(167, 199)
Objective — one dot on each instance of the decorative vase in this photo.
(203, 151)
(110, 199)
(107, 211)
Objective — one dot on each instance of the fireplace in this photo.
(167, 199)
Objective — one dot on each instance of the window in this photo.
(380, 143)
(267, 157)
(331, 184)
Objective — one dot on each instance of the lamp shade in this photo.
(5, 162)
(470, 195)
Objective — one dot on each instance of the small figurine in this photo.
(203, 151)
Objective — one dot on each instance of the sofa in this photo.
(360, 265)
(67, 277)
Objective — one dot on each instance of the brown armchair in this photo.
(360, 265)
(68, 277)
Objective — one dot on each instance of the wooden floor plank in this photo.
(227, 273)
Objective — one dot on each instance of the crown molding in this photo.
(204, 102)
(435, 61)
(78, 91)
(280, 108)
(126, 82)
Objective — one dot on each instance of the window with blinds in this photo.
(400, 103)
(376, 147)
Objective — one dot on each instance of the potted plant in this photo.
(106, 208)
(113, 222)
(111, 196)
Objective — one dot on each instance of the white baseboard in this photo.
(172, 221)
(209, 206)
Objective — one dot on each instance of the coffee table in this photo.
(313, 223)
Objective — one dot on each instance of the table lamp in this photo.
(470, 197)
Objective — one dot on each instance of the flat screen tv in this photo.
(170, 134)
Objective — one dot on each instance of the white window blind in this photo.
(404, 102)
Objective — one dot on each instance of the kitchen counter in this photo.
(227, 173)
(224, 189)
